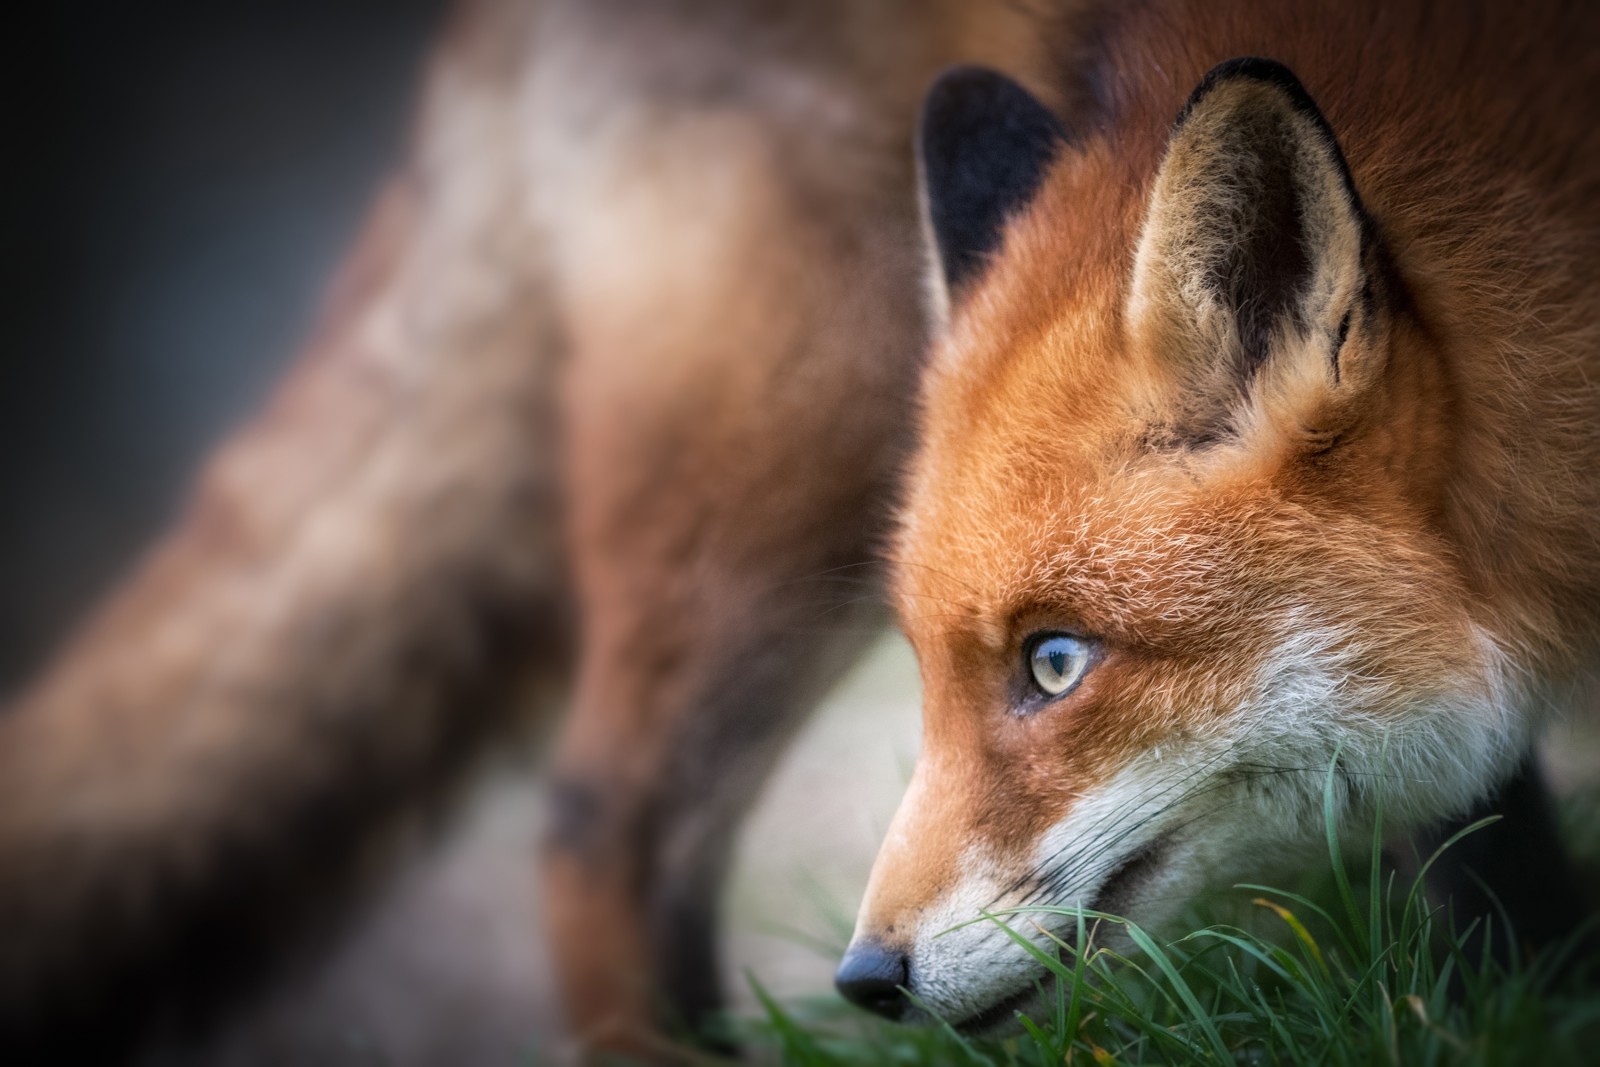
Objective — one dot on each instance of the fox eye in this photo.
(1057, 662)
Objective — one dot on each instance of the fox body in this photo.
(1248, 445)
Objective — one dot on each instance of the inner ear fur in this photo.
(1255, 245)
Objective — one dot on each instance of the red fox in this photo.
(1253, 443)
(1250, 443)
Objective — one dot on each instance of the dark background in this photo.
(181, 181)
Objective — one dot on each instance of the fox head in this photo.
(1171, 546)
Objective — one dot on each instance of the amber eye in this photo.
(1057, 662)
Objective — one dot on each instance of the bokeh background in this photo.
(186, 178)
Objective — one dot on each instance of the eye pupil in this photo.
(1058, 662)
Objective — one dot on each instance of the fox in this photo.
(1204, 390)
(1254, 442)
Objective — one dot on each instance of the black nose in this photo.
(870, 977)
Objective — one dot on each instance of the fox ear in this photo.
(1254, 243)
(983, 145)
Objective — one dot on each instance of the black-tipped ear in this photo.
(1254, 237)
(983, 145)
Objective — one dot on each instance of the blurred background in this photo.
(189, 175)
(185, 181)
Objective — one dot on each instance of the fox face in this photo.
(1171, 548)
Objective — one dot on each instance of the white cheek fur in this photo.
(1230, 803)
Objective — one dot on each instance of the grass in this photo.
(1360, 970)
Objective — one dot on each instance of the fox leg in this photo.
(737, 403)
(669, 745)
(713, 618)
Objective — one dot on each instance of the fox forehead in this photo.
(1172, 551)
(1133, 554)
(1039, 488)
(1033, 477)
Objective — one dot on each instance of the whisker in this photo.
(901, 564)
(1201, 790)
(1186, 774)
